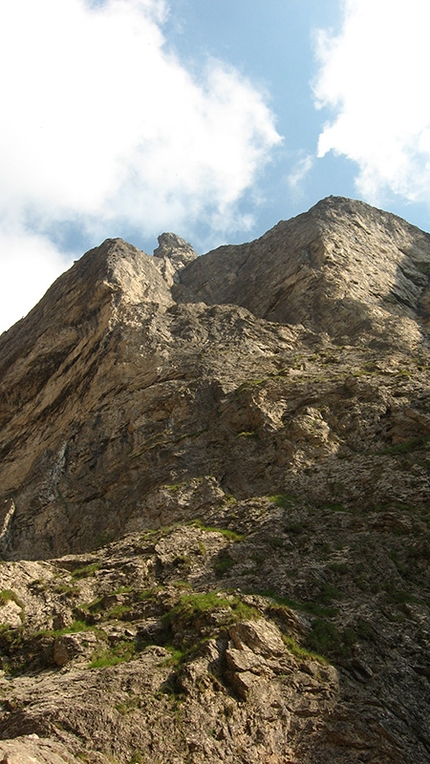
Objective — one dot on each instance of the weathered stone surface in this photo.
(215, 481)
(240, 679)
(172, 255)
(71, 646)
(343, 268)
(30, 749)
(261, 638)
(111, 389)
(7, 511)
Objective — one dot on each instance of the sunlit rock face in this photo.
(344, 267)
(227, 456)
(136, 371)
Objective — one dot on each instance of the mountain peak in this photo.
(172, 255)
(120, 319)
(172, 246)
(344, 267)
(228, 458)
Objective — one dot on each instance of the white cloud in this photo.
(29, 265)
(99, 112)
(102, 124)
(374, 75)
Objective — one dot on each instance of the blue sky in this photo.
(210, 118)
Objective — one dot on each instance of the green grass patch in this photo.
(339, 567)
(326, 639)
(182, 561)
(118, 612)
(128, 706)
(123, 590)
(365, 631)
(223, 563)
(276, 542)
(120, 653)
(67, 590)
(229, 499)
(137, 758)
(192, 607)
(286, 501)
(313, 608)
(146, 595)
(329, 593)
(7, 595)
(332, 506)
(74, 628)
(226, 532)
(95, 606)
(175, 658)
(300, 652)
(86, 571)
(400, 597)
(297, 527)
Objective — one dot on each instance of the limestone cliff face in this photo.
(343, 267)
(228, 456)
(137, 371)
(59, 367)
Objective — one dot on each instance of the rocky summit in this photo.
(214, 502)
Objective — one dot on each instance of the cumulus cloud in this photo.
(102, 124)
(374, 76)
(29, 264)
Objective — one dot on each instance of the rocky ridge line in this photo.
(215, 482)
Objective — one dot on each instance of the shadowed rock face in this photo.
(276, 390)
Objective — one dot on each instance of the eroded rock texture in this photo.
(214, 508)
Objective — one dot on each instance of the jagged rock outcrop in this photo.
(144, 650)
(228, 458)
(111, 389)
(172, 255)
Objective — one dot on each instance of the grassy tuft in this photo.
(326, 639)
(120, 653)
(226, 532)
(300, 652)
(284, 500)
(313, 608)
(191, 607)
(223, 563)
(7, 595)
(86, 571)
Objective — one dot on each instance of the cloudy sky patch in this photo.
(105, 124)
(374, 76)
(214, 120)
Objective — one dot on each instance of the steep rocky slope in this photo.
(215, 478)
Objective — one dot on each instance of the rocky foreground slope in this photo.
(214, 511)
